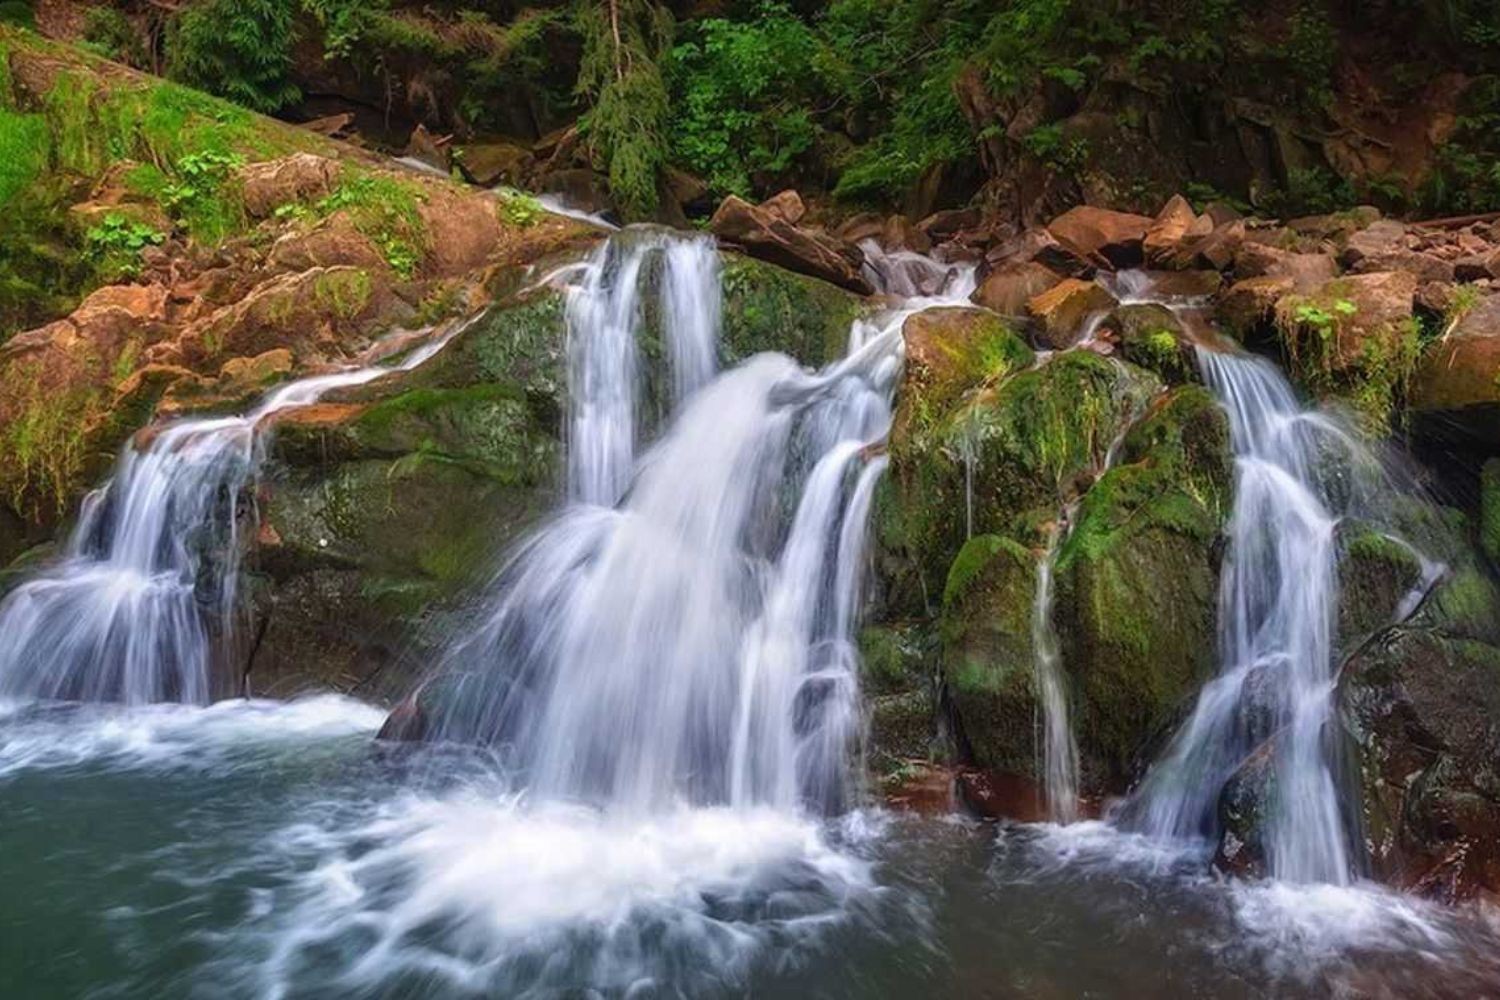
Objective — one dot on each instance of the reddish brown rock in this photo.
(1378, 238)
(771, 238)
(1252, 301)
(1173, 224)
(1380, 309)
(273, 183)
(1307, 270)
(1462, 369)
(1063, 311)
(786, 205)
(491, 163)
(1117, 236)
(1007, 290)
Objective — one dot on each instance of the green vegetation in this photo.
(116, 244)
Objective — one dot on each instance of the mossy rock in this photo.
(987, 651)
(1152, 337)
(1376, 573)
(898, 677)
(1137, 584)
(768, 308)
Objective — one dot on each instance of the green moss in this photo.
(25, 148)
(345, 292)
(387, 210)
(45, 442)
(769, 308)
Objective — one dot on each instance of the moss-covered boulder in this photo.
(988, 652)
(1152, 337)
(1137, 583)
(768, 308)
(898, 675)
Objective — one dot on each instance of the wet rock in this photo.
(1116, 236)
(428, 148)
(1064, 311)
(1008, 289)
(1243, 805)
(1377, 575)
(299, 177)
(944, 225)
(1172, 225)
(490, 163)
(1151, 336)
(770, 237)
(767, 308)
(260, 370)
(1137, 583)
(1249, 303)
(1424, 267)
(1461, 371)
(332, 244)
(786, 206)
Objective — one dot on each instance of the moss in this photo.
(25, 148)
(769, 308)
(385, 209)
(45, 442)
(344, 292)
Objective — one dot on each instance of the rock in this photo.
(1460, 371)
(1217, 249)
(581, 189)
(1477, 267)
(490, 163)
(771, 238)
(1137, 582)
(298, 177)
(1151, 336)
(1376, 575)
(1117, 236)
(333, 243)
(1377, 308)
(786, 206)
(463, 230)
(770, 309)
(1378, 238)
(1251, 302)
(1008, 289)
(944, 225)
(1169, 229)
(900, 233)
(1242, 810)
(1307, 270)
(1064, 311)
(270, 366)
(428, 149)
(688, 191)
(860, 227)
(1423, 266)
(1335, 225)
(951, 349)
(1184, 285)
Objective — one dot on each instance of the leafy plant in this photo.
(116, 244)
(519, 208)
(239, 49)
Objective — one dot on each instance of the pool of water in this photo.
(275, 850)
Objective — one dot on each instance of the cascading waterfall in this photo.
(144, 602)
(692, 642)
(1277, 604)
(1059, 749)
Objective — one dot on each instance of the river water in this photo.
(255, 849)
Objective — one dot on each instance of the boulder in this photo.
(1008, 289)
(1064, 311)
(1307, 270)
(786, 206)
(1461, 370)
(490, 163)
(1173, 224)
(429, 149)
(260, 370)
(768, 236)
(1250, 302)
(1424, 266)
(299, 177)
(1151, 336)
(1116, 236)
(1477, 267)
(1380, 237)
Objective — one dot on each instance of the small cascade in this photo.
(605, 313)
(144, 602)
(693, 642)
(1059, 749)
(1297, 473)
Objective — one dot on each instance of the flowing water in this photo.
(1057, 747)
(144, 602)
(1295, 471)
(648, 788)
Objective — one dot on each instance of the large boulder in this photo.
(1152, 336)
(1064, 312)
(1459, 375)
(300, 177)
(1115, 236)
(765, 233)
(1006, 290)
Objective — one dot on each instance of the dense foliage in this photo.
(863, 98)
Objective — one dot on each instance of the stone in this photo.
(1008, 289)
(298, 177)
(1424, 267)
(1117, 236)
(259, 370)
(1064, 311)
(1307, 270)
(1168, 230)
(1249, 303)
(1477, 267)
(770, 237)
(1380, 237)
(490, 163)
(1150, 335)
(428, 148)
(944, 225)
(900, 233)
(786, 206)
(1461, 370)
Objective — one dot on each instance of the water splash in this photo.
(144, 603)
(1059, 748)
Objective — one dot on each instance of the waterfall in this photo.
(1059, 749)
(144, 601)
(1277, 606)
(690, 638)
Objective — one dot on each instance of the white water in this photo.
(144, 603)
(1278, 595)
(682, 632)
(1059, 749)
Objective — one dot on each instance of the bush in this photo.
(239, 49)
